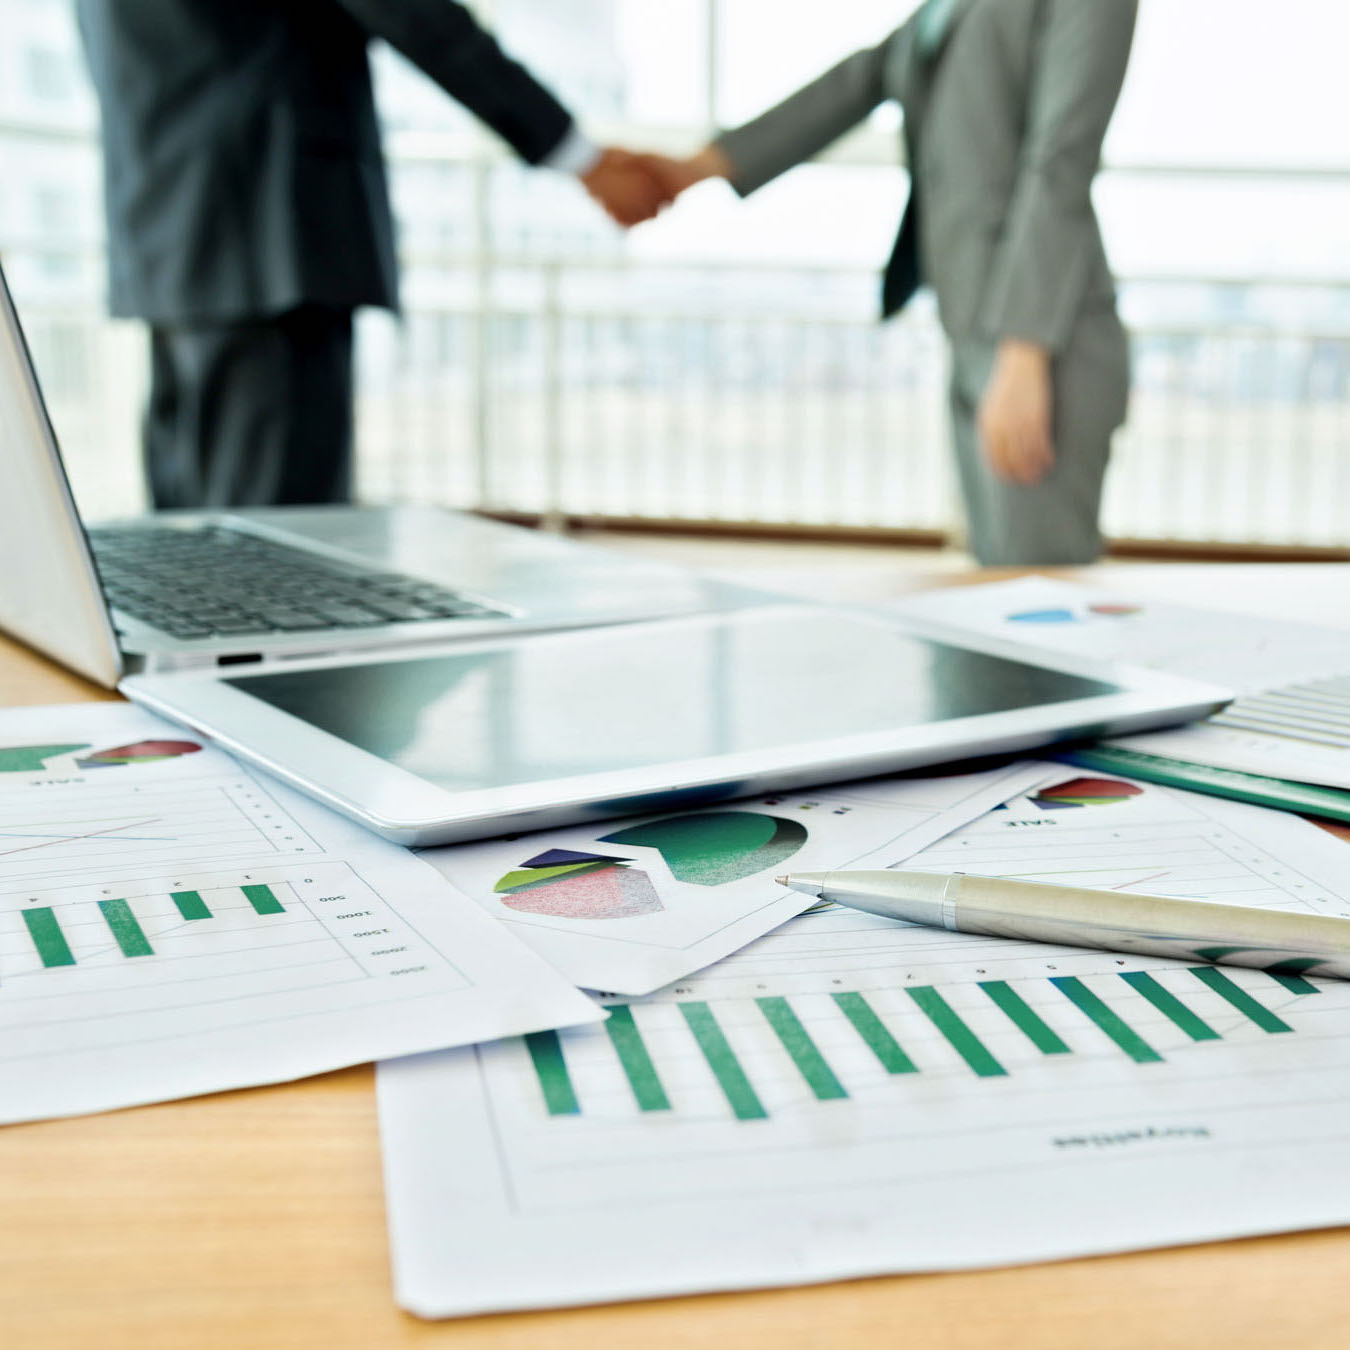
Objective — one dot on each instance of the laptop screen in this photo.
(50, 597)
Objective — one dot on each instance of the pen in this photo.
(1283, 941)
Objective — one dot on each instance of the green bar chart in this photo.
(731, 1077)
(1107, 1019)
(1025, 1018)
(1232, 992)
(963, 1040)
(875, 1034)
(1295, 984)
(805, 1053)
(125, 928)
(264, 900)
(81, 931)
(45, 930)
(190, 904)
(556, 1083)
(1170, 1005)
(637, 1063)
(910, 1030)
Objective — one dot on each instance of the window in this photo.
(48, 74)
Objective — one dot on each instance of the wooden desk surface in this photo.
(255, 1220)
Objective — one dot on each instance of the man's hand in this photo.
(634, 187)
(1015, 413)
(626, 186)
(678, 175)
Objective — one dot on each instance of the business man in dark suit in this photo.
(248, 215)
(1006, 103)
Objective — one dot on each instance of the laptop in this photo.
(189, 590)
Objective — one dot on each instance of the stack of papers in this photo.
(173, 923)
(621, 1060)
(851, 1095)
(629, 906)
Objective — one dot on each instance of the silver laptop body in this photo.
(352, 573)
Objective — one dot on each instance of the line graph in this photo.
(66, 837)
(71, 833)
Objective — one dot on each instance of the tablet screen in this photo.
(559, 705)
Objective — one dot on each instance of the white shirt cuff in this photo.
(576, 153)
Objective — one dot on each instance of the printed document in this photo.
(852, 1095)
(172, 923)
(1292, 717)
(1232, 650)
(630, 905)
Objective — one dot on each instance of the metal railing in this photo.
(766, 396)
(811, 414)
(657, 408)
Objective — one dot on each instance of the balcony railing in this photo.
(576, 402)
(764, 396)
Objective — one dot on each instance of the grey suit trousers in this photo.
(255, 413)
(1053, 522)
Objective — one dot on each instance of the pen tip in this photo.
(782, 881)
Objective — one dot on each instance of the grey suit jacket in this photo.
(1003, 131)
(242, 157)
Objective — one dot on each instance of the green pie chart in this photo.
(717, 847)
(33, 758)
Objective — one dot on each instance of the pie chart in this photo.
(562, 884)
(1086, 792)
(33, 758)
(716, 847)
(139, 752)
(1043, 616)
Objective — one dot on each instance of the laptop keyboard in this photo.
(218, 582)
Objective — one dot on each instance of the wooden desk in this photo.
(254, 1221)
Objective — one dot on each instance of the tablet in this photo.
(529, 731)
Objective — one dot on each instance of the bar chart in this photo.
(850, 1095)
(886, 1081)
(1047, 1026)
(843, 1025)
(172, 924)
(291, 926)
(48, 927)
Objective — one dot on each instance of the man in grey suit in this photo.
(1005, 106)
(248, 215)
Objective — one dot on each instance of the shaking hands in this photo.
(634, 187)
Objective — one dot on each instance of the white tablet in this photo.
(525, 732)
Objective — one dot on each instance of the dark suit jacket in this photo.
(244, 173)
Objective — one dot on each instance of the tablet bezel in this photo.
(411, 810)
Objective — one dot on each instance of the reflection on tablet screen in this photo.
(627, 697)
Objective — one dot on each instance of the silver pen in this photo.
(1072, 916)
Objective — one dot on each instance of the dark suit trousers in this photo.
(251, 413)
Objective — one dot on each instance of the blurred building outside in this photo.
(724, 363)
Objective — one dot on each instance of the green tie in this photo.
(932, 23)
